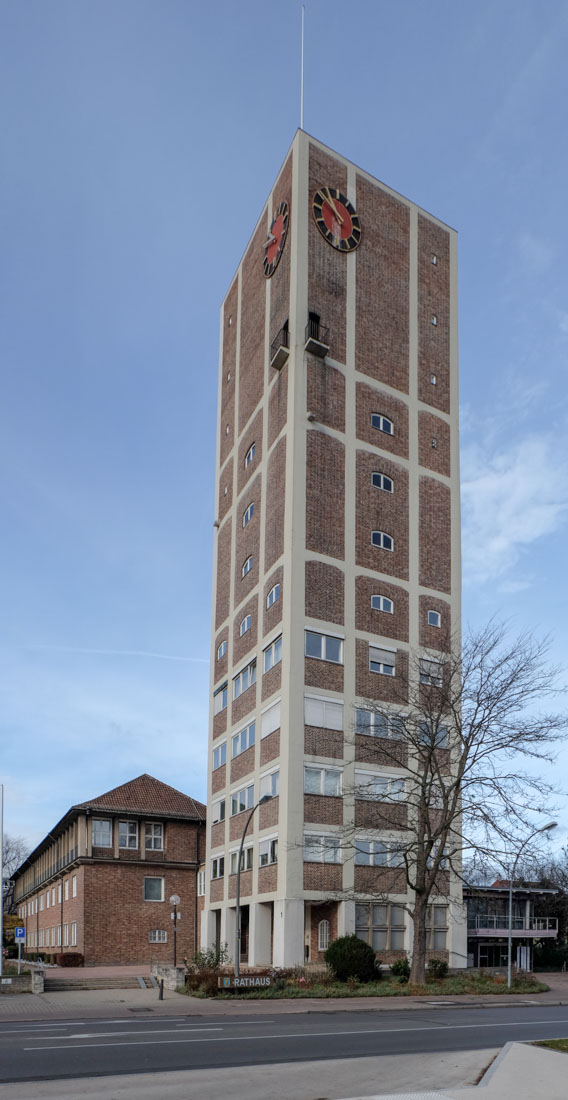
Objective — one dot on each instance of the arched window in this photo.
(323, 935)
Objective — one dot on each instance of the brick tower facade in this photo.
(337, 545)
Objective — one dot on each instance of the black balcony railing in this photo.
(317, 337)
(280, 348)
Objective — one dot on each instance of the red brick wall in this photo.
(377, 880)
(253, 300)
(271, 681)
(223, 559)
(373, 685)
(378, 510)
(433, 299)
(219, 723)
(227, 439)
(273, 615)
(280, 280)
(270, 748)
(380, 815)
(323, 674)
(319, 913)
(323, 809)
(244, 705)
(371, 400)
(268, 879)
(242, 765)
(323, 742)
(277, 404)
(322, 876)
(327, 268)
(380, 751)
(229, 346)
(268, 814)
(245, 884)
(325, 592)
(325, 494)
(247, 541)
(275, 504)
(252, 435)
(221, 665)
(241, 646)
(435, 535)
(383, 265)
(225, 489)
(434, 637)
(219, 779)
(381, 622)
(326, 393)
(217, 890)
(436, 458)
(218, 834)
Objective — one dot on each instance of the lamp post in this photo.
(261, 801)
(175, 900)
(543, 829)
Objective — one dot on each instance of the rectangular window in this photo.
(102, 833)
(430, 734)
(157, 935)
(246, 860)
(41, 937)
(127, 834)
(47, 898)
(218, 867)
(73, 933)
(434, 618)
(268, 851)
(244, 680)
(59, 935)
(219, 756)
(59, 892)
(269, 784)
(382, 660)
(242, 800)
(323, 713)
(430, 672)
(53, 895)
(66, 889)
(382, 926)
(218, 811)
(322, 781)
(379, 788)
(41, 903)
(201, 884)
(273, 654)
(371, 724)
(243, 740)
(324, 647)
(321, 849)
(154, 836)
(437, 927)
(378, 853)
(74, 886)
(66, 935)
(270, 720)
(153, 889)
(220, 699)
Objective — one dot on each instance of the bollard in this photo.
(161, 993)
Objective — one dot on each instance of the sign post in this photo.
(20, 938)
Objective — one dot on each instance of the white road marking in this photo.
(151, 1031)
(308, 1034)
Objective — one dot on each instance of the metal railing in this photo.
(281, 341)
(533, 924)
(316, 331)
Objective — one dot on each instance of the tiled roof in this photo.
(147, 795)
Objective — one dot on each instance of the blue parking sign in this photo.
(20, 935)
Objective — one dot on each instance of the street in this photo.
(83, 1048)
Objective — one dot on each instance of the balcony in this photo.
(280, 348)
(490, 926)
(317, 337)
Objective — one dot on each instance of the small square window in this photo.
(127, 834)
(153, 889)
(154, 836)
(382, 423)
(433, 380)
(434, 618)
(382, 603)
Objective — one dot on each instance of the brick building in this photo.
(99, 883)
(337, 549)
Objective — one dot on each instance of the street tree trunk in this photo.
(418, 966)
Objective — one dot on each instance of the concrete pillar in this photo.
(229, 929)
(208, 927)
(345, 918)
(289, 932)
(260, 922)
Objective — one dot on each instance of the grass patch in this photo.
(452, 986)
(554, 1044)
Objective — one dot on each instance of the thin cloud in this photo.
(122, 653)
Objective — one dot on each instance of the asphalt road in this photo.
(88, 1048)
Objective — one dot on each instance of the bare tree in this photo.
(15, 852)
(463, 733)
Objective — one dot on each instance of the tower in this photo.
(337, 542)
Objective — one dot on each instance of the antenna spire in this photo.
(302, 74)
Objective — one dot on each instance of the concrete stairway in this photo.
(60, 984)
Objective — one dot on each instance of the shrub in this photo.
(212, 959)
(72, 958)
(400, 969)
(437, 968)
(350, 957)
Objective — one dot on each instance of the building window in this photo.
(227, 429)
(218, 867)
(430, 734)
(59, 892)
(430, 672)
(268, 851)
(201, 884)
(73, 933)
(378, 853)
(382, 603)
(218, 811)
(222, 649)
(380, 538)
(381, 481)
(220, 698)
(382, 660)
(248, 514)
(154, 836)
(433, 259)
(434, 618)
(65, 891)
(157, 935)
(379, 788)
(127, 834)
(247, 566)
(53, 895)
(433, 380)
(66, 935)
(270, 783)
(41, 937)
(219, 756)
(46, 902)
(273, 654)
(382, 423)
(244, 680)
(41, 903)
(243, 740)
(270, 720)
(323, 935)
(323, 713)
(250, 454)
(324, 647)
(273, 595)
(322, 781)
(434, 444)
(59, 935)
(382, 926)
(74, 886)
(153, 889)
(321, 849)
(242, 800)
(102, 835)
(433, 319)
(246, 861)
(245, 625)
(437, 927)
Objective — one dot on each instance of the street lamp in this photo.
(261, 801)
(543, 829)
(175, 900)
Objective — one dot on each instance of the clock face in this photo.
(336, 219)
(274, 244)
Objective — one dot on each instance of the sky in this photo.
(140, 139)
